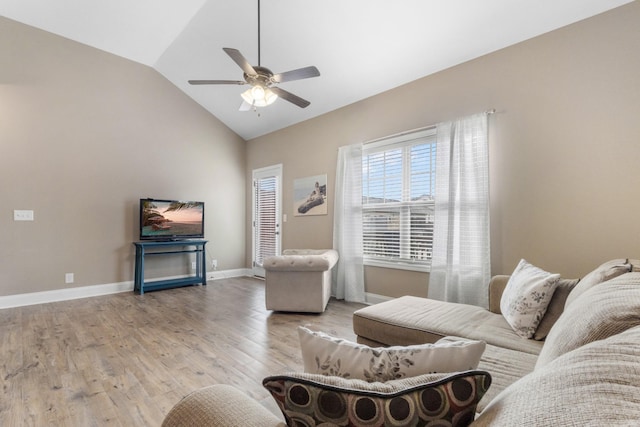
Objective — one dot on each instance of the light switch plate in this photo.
(23, 215)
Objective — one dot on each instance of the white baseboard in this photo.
(375, 298)
(227, 274)
(44, 297)
(372, 299)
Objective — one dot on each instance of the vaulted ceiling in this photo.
(361, 47)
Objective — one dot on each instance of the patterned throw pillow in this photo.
(526, 297)
(327, 355)
(314, 400)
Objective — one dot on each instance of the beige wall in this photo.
(84, 135)
(564, 147)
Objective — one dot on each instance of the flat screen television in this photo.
(171, 219)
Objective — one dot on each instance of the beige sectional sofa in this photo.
(582, 367)
(410, 320)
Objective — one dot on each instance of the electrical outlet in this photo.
(214, 264)
(193, 265)
(68, 278)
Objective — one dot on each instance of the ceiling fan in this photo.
(264, 90)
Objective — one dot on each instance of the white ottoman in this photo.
(299, 280)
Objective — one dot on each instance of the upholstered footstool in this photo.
(299, 280)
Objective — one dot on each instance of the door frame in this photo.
(260, 173)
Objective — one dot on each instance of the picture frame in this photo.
(310, 195)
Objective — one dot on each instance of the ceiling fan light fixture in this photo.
(259, 96)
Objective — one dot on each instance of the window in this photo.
(398, 184)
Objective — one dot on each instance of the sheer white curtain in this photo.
(348, 275)
(461, 267)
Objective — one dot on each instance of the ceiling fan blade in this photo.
(245, 106)
(216, 82)
(240, 60)
(288, 96)
(299, 74)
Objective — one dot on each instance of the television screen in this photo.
(171, 219)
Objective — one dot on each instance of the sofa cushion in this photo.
(555, 307)
(327, 355)
(598, 313)
(506, 367)
(607, 271)
(526, 297)
(309, 399)
(409, 320)
(597, 384)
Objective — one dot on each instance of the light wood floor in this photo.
(126, 359)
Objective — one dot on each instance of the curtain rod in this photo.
(395, 135)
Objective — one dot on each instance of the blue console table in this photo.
(169, 248)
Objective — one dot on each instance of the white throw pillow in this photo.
(327, 355)
(526, 297)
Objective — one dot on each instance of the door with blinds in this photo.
(267, 190)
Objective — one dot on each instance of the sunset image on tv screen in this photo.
(171, 218)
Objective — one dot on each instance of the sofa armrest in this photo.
(302, 260)
(496, 288)
(220, 405)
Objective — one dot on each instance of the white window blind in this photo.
(398, 186)
(266, 227)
